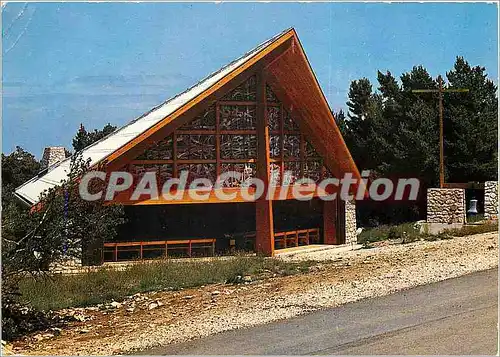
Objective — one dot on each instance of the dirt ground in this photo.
(149, 320)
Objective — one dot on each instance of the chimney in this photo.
(52, 155)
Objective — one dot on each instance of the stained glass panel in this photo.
(191, 146)
(163, 150)
(204, 121)
(163, 171)
(273, 117)
(274, 174)
(244, 92)
(310, 151)
(247, 172)
(291, 145)
(327, 173)
(270, 96)
(291, 172)
(237, 117)
(274, 146)
(312, 169)
(238, 146)
(198, 171)
(288, 123)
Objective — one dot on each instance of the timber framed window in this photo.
(224, 138)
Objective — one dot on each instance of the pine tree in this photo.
(364, 112)
(17, 168)
(340, 120)
(471, 124)
(83, 138)
(395, 132)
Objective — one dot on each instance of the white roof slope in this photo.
(30, 191)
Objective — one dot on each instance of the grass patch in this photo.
(104, 285)
(409, 232)
(475, 218)
(406, 231)
(468, 230)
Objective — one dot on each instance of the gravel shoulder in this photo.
(336, 279)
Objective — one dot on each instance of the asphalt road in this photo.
(457, 316)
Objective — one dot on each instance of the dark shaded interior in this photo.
(292, 214)
(224, 221)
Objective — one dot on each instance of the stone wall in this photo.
(446, 205)
(66, 266)
(491, 199)
(351, 236)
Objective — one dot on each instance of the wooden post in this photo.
(175, 172)
(302, 155)
(282, 145)
(329, 221)
(217, 139)
(264, 240)
(441, 134)
(440, 92)
(116, 253)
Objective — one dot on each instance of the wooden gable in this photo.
(224, 138)
(218, 132)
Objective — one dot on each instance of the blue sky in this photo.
(94, 63)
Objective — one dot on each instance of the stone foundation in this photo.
(351, 236)
(491, 199)
(67, 266)
(446, 206)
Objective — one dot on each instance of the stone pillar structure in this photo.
(52, 155)
(491, 199)
(351, 236)
(445, 209)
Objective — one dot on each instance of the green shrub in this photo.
(406, 232)
(468, 230)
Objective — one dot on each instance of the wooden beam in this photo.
(282, 144)
(217, 139)
(264, 242)
(237, 102)
(329, 222)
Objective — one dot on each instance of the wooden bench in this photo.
(141, 248)
(292, 238)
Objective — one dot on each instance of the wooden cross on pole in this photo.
(440, 90)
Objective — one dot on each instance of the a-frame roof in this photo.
(288, 69)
